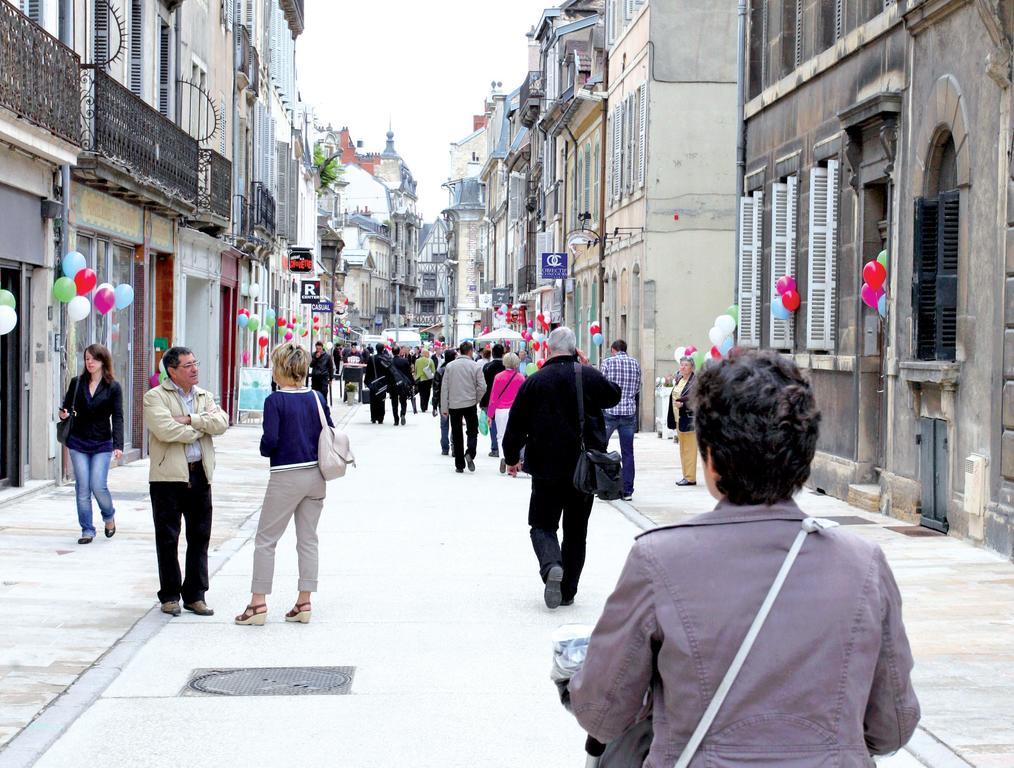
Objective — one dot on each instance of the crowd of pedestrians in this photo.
(751, 421)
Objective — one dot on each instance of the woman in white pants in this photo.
(501, 395)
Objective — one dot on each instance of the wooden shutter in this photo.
(798, 58)
(781, 224)
(822, 257)
(222, 125)
(831, 247)
(750, 209)
(136, 48)
(629, 145)
(163, 69)
(609, 21)
(586, 208)
(642, 140)
(617, 152)
(282, 193)
(33, 10)
(924, 283)
(100, 28)
(947, 275)
(293, 181)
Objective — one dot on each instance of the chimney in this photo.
(479, 121)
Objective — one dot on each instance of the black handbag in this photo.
(63, 427)
(597, 472)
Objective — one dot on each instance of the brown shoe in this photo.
(199, 607)
(172, 608)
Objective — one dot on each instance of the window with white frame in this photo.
(751, 231)
(784, 196)
(822, 256)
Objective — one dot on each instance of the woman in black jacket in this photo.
(95, 401)
(681, 418)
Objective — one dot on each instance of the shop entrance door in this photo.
(12, 386)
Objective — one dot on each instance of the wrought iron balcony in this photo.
(241, 220)
(532, 92)
(38, 76)
(214, 184)
(263, 207)
(133, 136)
(248, 64)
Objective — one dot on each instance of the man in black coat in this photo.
(489, 372)
(544, 421)
(321, 370)
(377, 379)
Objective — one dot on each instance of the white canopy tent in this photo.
(501, 334)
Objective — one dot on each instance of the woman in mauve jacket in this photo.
(828, 681)
(95, 400)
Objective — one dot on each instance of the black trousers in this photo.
(551, 500)
(471, 419)
(377, 407)
(192, 502)
(399, 404)
(321, 384)
(425, 387)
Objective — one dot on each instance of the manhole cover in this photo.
(915, 531)
(850, 520)
(271, 681)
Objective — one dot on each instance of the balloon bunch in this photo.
(78, 280)
(8, 312)
(693, 353)
(596, 333)
(541, 318)
(721, 333)
(787, 301)
(873, 293)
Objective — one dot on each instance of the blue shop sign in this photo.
(554, 266)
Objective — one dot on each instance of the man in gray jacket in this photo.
(460, 391)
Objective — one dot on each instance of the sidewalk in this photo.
(62, 605)
(429, 590)
(958, 607)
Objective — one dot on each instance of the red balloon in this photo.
(281, 322)
(595, 328)
(262, 340)
(790, 300)
(243, 311)
(536, 346)
(715, 353)
(85, 280)
(873, 273)
(539, 363)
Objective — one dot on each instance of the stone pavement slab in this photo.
(63, 605)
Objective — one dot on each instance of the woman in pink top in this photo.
(502, 393)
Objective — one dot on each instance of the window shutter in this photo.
(617, 143)
(947, 275)
(839, 13)
(100, 27)
(222, 125)
(831, 247)
(749, 269)
(164, 83)
(136, 48)
(33, 10)
(799, 33)
(609, 21)
(642, 143)
(818, 331)
(271, 158)
(630, 146)
(282, 194)
(781, 224)
(294, 200)
(924, 285)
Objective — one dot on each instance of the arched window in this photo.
(937, 230)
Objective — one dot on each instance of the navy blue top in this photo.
(292, 428)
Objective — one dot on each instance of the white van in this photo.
(403, 337)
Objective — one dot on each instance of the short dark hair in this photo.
(465, 348)
(498, 350)
(380, 346)
(449, 354)
(757, 420)
(171, 358)
(618, 346)
(319, 344)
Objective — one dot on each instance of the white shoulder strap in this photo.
(810, 525)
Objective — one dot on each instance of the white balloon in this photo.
(79, 308)
(726, 324)
(680, 353)
(8, 320)
(716, 336)
(255, 289)
(104, 285)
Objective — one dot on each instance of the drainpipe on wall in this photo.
(740, 128)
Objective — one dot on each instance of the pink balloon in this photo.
(869, 296)
(288, 335)
(246, 358)
(104, 300)
(785, 284)
(690, 350)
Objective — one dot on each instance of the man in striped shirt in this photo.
(625, 371)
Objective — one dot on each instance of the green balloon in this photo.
(7, 300)
(253, 324)
(531, 368)
(64, 289)
(733, 312)
(882, 258)
(698, 358)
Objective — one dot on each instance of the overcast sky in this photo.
(425, 66)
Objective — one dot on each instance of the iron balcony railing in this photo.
(125, 130)
(241, 216)
(532, 89)
(247, 59)
(263, 207)
(38, 76)
(214, 183)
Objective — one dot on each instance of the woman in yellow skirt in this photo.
(681, 418)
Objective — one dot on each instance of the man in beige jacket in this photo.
(181, 419)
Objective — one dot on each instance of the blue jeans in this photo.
(492, 436)
(626, 426)
(445, 425)
(90, 473)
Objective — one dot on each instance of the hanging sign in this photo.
(309, 291)
(553, 266)
(301, 261)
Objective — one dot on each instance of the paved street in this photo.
(429, 589)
